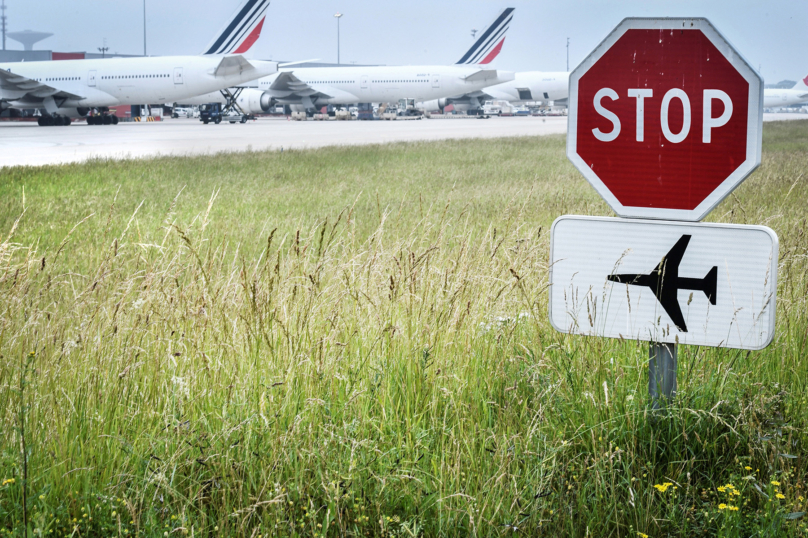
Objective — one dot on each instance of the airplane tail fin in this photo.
(242, 29)
(802, 84)
(489, 44)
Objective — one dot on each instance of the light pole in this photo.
(568, 55)
(103, 50)
(144, 27)
(3, 21)
(338, 15)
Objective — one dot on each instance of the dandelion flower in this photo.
(748, 468)
(722, 506)
(780, 496)
(775, 483)
(642, 535)
(733, 508)
(722, 489)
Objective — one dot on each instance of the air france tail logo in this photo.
(489, 44)
(242, 31)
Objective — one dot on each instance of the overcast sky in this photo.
(771, 34)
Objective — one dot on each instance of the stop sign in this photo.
(665, 118)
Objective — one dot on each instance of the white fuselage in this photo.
(773, 98)
(532, 86)
(120, 81)
(381, 84)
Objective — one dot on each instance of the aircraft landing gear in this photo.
(102, 119)
(49, 120)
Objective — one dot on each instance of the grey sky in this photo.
(770, 34)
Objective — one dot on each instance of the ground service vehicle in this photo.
(211, 112)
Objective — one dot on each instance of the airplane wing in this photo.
(232, 65)
(481, 74)
(14, 87)
(286, 84)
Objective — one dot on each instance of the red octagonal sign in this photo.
(665, 118)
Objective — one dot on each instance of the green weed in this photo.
(354, 342)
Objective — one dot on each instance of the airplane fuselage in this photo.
(532, 86)
(386, 84)
(773, 98)
(380, 84)
(118, 81)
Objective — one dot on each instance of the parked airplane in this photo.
(526, 87)
(531, 86)
(311, 88)
(774, 98)
(87, 88)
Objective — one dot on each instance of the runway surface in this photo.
(25, 143)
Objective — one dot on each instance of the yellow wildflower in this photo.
(748, 468)
(722, 489)
(733, 508)
(780, 496)
(775, 483)
(642, 535)
(722, 506)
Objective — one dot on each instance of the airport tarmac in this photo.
(25, 143)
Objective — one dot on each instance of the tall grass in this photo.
(354, 342)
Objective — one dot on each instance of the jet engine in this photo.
(435, 105)
(255, 101)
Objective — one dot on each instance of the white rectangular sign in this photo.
(673, 282)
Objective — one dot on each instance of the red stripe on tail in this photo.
(494, 53)
(252, 38)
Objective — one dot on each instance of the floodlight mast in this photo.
(338, 16)
(3, 21)
(144, 27)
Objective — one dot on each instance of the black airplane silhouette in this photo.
(665, 282)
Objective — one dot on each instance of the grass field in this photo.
(354, 342)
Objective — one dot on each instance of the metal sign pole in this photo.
(662, 365)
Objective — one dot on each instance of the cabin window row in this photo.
(116, 77)
(400, 81)
(53, 79)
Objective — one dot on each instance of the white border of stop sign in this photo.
(754, 126)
